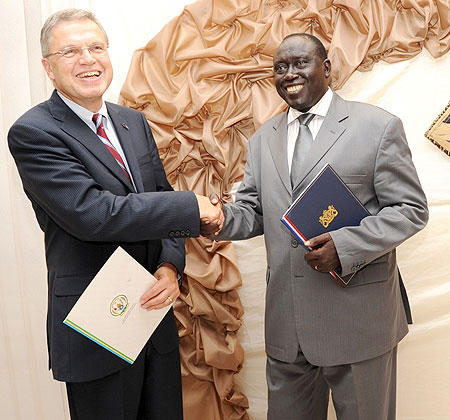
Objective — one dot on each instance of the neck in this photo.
(92, 105)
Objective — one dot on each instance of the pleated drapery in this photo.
(205, 85)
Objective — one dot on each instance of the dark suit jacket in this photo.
(87, 207)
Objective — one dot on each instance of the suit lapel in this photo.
(123, 133)
(277, 141)
(76, 128)
(329, 133)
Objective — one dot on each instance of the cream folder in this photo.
(109, 313)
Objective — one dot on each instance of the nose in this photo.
(291, 73)
(86, 56)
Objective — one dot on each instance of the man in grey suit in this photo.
(92, 172)
(321, 336)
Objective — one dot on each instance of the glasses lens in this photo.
(97, 49)
(70, 52)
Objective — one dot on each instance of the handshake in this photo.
(211, 215)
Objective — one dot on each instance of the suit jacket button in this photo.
(188, 232)
(171, 234)
(183, 233)
(294, 243)
(177, 233)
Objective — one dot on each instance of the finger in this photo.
(221, 219)
(155, 290)
(156, 302)
(312, 261)
(206, 209)
(162, 300)
(214, 198)
(318, 240)
(209, 230)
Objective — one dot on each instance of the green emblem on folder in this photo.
(118, 305)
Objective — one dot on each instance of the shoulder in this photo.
(271, 125)
(38, 116)
(128, 116)
(125, 111)
(362, 109)
(273, 122)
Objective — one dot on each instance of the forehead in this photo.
(294, 47)
(76, 32)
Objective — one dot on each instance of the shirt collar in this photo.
(320, 108)
(83, 113)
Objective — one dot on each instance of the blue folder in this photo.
(326, 204)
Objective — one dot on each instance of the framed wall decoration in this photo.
(439, 132)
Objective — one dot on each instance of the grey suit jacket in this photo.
(87, 207)
(333, 325)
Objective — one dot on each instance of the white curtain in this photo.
(416, 90)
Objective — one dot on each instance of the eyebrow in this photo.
(295, 57)
(78, 46)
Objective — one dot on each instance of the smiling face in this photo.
(300, 72)
(83, 78)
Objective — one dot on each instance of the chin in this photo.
(298, 106)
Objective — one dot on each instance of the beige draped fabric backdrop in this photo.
(206, 81)
(205, 85)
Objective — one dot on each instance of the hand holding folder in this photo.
(326, 204)
(109, 312)
(322, 254)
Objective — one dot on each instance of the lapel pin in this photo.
(125, 125)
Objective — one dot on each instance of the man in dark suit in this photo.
(320, 336)
(93, 175)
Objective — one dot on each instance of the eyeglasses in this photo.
(71, 52)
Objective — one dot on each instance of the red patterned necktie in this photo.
(101, 133)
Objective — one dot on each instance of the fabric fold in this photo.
(205, 85)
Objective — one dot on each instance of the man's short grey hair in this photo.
(64, 16)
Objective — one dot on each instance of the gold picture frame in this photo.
(439, 132)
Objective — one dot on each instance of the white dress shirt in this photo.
(320, 110)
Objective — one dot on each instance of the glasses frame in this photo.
(80, 51)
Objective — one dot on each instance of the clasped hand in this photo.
(211, 215)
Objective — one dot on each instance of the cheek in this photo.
(107, 66)
(279, 90)
(59, 73)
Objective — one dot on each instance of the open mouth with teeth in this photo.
(88, 75)
(294, 89)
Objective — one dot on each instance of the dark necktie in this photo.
(302, 145)
(101, 133)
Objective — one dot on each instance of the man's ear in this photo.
(327, 67)
(48, 68)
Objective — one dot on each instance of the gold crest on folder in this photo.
(328, 216)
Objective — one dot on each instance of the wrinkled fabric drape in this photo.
(205, 85)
